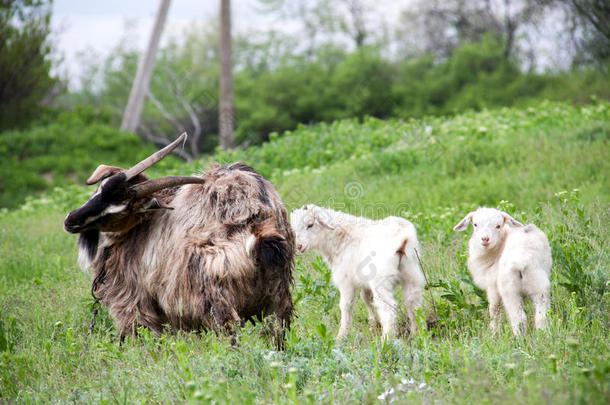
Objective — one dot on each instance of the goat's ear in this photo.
(155, 204)
(322, 222)
(463, 223)
(101, 173)
(511, 221)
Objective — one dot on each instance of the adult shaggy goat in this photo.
(201, 252)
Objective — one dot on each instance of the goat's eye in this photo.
(309, 226)
(497, 226)
(475, 225)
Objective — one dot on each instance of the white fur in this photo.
(363, 254)
(509, 261)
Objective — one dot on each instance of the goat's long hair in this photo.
(200, 256)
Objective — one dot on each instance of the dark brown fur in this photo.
(401, 250)
(222, 255)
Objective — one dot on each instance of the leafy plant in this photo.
(8, 334)
(63, 152)
(310, 287)
(576, 246)
(454, 293)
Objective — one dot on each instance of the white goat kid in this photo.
(509, 261)
(372, 255)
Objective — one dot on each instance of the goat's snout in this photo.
(485, 240)
(69, 226)
(300, 248)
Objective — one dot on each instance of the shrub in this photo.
(62, 152)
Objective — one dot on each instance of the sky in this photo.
(96, 27)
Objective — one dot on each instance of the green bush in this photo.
(27, 85)
(277, 90)
(65, 151)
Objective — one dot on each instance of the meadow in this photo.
(547, 164)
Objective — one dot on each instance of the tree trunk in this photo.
(131, 117)
(225, 118)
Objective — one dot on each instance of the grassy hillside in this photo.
(60, 150)
(547, 165)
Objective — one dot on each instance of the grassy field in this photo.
(549, 165)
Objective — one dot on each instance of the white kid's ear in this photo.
(463, 223)
(511, 221)
(322, 222)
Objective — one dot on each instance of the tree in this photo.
(445, 25)
(26, 84)
(588, 22)
(133, 110)
(225, 117)
(322, 20)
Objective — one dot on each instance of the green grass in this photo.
(63, 150)
(527, 162)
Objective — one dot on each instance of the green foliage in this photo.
(486, 157)
(453, 292)
(276, 90)
(578, 251)
(431, 171)
(302, 91)
(476, 76)
(7, 334)
(318, 287)
(361, 86)
(26, 84)
(65, 150)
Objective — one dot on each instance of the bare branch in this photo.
(179, 95)
(160, 141)
(157, 103)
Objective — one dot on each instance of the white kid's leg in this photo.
(542, 303)
(346, 302)
(367, 297)
(413, 297)
(514, 310)
(494, 300)
(540, 293)
(510, 287)
(386, 307)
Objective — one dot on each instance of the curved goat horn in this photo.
(150, 186)
(154, 158)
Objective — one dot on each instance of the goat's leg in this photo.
(282, 309)
(541, 306)
(413, 297)
(346, 302)
(129, 318)
(386, 307)
(539, 290)
(509, 287)
(514, 310)
(495, 302)
(218, 308)
(367, 296)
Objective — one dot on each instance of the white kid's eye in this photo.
(475, 225)
(497, 226)
(309, 226)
